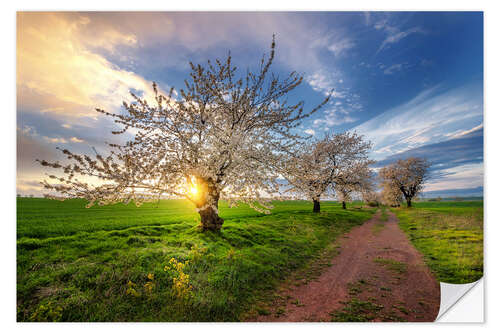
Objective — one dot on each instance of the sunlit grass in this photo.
(107, 263)
(449, 235)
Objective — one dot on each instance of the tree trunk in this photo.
(343, 205)
(210, 219)
(208, 206)
(316, 207)
(408, 202)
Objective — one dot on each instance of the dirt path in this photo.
(378, 276)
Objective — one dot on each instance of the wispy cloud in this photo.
(394, 37)
(461, 177)
(340, 47)
(451, 192)
(58, 73)
(455, 164)
(55, 140)
(467, 148)
(75, 139)
(461, 133)
(326, 82)
(334, 117)
(29, 149)
(341, 107)
(393, 33)
(425, 119)
(393, 68)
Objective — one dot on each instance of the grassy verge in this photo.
(379, 226)
(356, 310)
(383, 215)
(122, 263)
(274, 303)
(449, 235)
(393, 265)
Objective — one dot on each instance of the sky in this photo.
(410, 82)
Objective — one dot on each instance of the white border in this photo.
(8, 132)
(465, 303)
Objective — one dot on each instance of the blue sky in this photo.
(411, 82)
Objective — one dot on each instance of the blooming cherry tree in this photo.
(356, 178)
(406, 176)
(371, 197)
(315, 168)
(391, 196)
(221, 139)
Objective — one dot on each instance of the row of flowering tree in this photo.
(337, 164)
(225, 137)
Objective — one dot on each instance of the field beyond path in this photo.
(450, 237)
(378, 276)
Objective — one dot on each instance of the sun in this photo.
(193, 190)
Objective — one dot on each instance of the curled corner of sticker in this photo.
(456, 306)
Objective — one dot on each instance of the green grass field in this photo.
(114, 263)
(449, 235)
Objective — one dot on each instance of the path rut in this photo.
(377, 264)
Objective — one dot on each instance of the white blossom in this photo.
(223, 137)
(316, 168)
(407, 176)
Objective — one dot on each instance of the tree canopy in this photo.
(314, 169)
(407, 176)
(221, 138)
